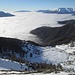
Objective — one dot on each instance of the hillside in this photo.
(28, 53)
(52, 60)
(56, 35)
(6, 64)
(4, 14)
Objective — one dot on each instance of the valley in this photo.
(22, 50)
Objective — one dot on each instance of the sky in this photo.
(35, 4)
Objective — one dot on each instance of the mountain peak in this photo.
(4, 14)
(59, 11)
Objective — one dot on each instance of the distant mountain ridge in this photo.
(59, 11)
(4, 14)
(23, 11)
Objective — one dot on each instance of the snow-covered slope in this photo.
(46, 54)
(32, 54)
(65, 10)
(23, 73)
(11, 65)
(63, 54)
(70, 63)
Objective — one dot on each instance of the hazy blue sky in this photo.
(34, 4)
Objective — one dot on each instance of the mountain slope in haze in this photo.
(56, 35)
(3, 14)
(28, 53)
(23, 11)
(72, 21)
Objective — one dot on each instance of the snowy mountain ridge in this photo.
(59, 11)
(4, 14)
(64, 9)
